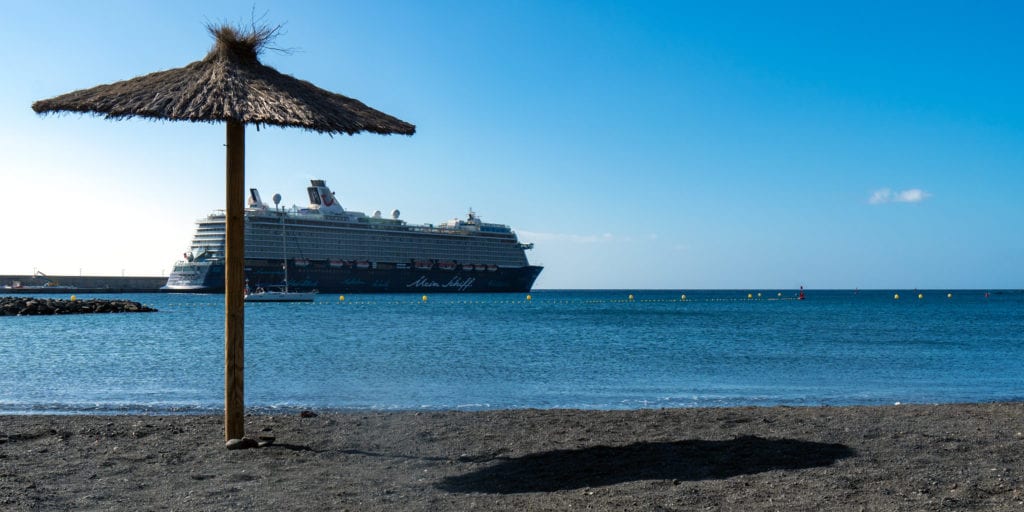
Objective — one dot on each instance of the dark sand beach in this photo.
(920, 457)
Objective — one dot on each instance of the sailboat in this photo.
(279, 294)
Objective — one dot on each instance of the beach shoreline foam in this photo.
(906, 457)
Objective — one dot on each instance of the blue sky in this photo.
(638, 145)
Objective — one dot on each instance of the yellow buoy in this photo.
(73, 298)
(949, 295)
(341, 298)
(920, 295)
(780, 294)
(683, 297)
(750, 296)
(424, 298)
(897, 296)
(631, 296)
(758, 294)
(529, 297)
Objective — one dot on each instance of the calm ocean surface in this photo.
(579, 349)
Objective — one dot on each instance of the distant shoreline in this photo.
(112, 284)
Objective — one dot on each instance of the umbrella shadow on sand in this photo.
(673, 460)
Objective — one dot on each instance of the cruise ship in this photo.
(327, 248)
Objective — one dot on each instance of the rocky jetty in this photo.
(18, 306)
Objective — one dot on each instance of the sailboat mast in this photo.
(284, 240)
(284, 252)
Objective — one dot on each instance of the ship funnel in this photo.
(254, 199)
(321, 198)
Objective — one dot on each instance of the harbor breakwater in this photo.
(22, 306)
(22, 284)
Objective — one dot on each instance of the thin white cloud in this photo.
(881, 196)
(565, 237)
(914, 195)
(885, 195)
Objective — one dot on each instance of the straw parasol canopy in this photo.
(231, 85)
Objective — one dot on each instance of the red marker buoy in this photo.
(801, 296)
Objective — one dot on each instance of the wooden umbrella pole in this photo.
(234, 285)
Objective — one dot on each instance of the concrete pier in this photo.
(12, 284)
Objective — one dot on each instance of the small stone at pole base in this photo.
(241, 444)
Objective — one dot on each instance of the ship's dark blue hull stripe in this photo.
(327, 279)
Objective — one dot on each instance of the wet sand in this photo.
(921, 457)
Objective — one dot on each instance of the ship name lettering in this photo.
(423, 282)
(460, 284)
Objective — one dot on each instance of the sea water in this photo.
(555, 349)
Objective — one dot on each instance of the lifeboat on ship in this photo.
(422, 265)
(301, 262)
(362, 264)
(446, 265)
(337, 263)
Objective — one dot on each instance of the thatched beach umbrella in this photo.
(230, 85)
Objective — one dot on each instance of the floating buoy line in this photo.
(530, 299)
(527, 299)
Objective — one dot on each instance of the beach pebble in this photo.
(241, 444)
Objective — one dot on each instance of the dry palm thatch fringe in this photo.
(229, 84)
